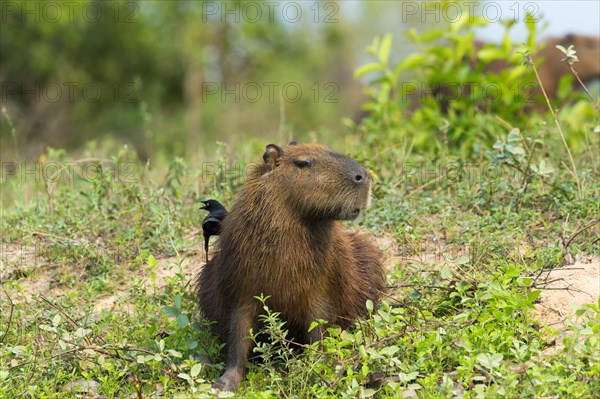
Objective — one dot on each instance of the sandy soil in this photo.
(566, 289)
(563, 289)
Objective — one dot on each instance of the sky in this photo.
(563, 17)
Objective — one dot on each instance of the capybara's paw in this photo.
(227, 382)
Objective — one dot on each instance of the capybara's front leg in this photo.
(238, 349)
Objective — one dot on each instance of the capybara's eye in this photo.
(304, 163)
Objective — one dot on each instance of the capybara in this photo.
(283, 239)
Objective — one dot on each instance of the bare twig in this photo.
(595, 222)
(573, 171)
(584, 87)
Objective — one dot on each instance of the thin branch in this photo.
(581, 231)
(562, 134)
(584, 87)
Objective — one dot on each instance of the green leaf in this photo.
(498, 145)
(415, 295)
(384, 49)
(463, 260)
(586, 331)
(81, 332)
(488, 54)
(543, 168)
(530, 24)
(533, 295)
(411, 62)
(47, 328)
(525, 281)
(195, 370)
(516, 73)
(170, 311)
(461, 23)
(514, 135)
(192, 343)
(175, 353)
(372, 48)
(406, 377)
(506, 41)
(151, 261)
(389, 350)
(489, 360)
(461, 316)
(368, 68)
(367, 393)
(362, 352)
(384, 315)
(177, 300)
(313, 325)
(445, 272)
(515, 150)
(182, 320)
(431, 35)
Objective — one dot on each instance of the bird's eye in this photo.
(304, 163)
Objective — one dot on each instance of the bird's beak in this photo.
(205, 202)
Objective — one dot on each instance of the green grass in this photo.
(96, 289)
(99, 253)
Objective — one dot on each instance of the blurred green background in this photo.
(172, 78)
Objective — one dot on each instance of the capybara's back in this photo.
(282, 239)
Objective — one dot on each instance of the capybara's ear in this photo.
(569, 39)
(272, 155)
(293, 143)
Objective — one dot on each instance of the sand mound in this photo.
(567, 288)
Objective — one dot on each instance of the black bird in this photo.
(211, 225)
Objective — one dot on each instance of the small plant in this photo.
(96, 270)
(571, 58)
(573, 168)
(448, 88)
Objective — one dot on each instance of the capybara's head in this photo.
(314, 182)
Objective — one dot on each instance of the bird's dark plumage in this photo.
(211, 225)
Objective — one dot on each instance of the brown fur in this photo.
(282, 239)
